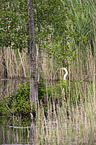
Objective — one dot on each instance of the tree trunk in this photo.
(32, 55)
(39, 53)
(4, 63)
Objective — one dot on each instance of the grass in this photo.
(71, 124)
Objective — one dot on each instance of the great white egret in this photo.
(65, 75)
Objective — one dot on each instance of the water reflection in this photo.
(12, 131)
(73, 124)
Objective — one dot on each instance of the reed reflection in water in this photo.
(12, 131)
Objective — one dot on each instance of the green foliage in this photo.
(56, 91)
(3, 109)
(60, 22)
(19, 103)
(13, 24)
(54, 18)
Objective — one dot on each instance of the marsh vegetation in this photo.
(65, 36)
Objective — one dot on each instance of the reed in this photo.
(70, 124)
(16, 63)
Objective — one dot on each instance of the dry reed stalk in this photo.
(52, 71)
(81, 66)
(90, 62)
(54, 109)
(22, 63)
(25, 59)
(69, 80)
(13, 54)
(44, 63)
(10, 64)
(94, 63)
(57, 132)
(77, 72)
(7, 62)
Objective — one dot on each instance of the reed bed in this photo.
(70, 124)
(14, 63)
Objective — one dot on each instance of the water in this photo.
(17, 130)
(12, 131)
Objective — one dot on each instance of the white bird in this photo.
(66, 73)
(31, 116)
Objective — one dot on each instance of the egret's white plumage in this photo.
(66, 73)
